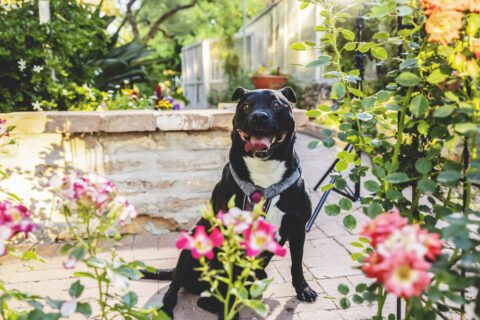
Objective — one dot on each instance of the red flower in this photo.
(201, 244)
(476, 48)
(407, 275)
(383, 225)
(262, 237)
(432, 242)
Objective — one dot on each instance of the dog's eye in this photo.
(277, 105)
(244, 107)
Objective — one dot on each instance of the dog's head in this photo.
(263, 120)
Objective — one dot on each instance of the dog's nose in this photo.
(259, 117)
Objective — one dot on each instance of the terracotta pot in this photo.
(269, 82)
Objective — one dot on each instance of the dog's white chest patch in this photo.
(275, 216)
(264, 173)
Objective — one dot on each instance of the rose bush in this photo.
(422, 156)
(236, 239)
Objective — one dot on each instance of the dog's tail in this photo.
(160, 274)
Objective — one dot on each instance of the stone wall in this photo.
(165, 163)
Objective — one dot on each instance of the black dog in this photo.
(262, 159)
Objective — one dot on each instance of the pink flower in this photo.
(407, 275)
(383, 225)
(201, 244)
(432, 242)
(3, 128)
(240, 219)
(70, 263)
(376, 266)
(262, 237)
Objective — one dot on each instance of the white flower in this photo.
(68, 307)
(126, 81)
(37, 106)
(70, 263)
(22, 64)
(37, 68)
(117, 86)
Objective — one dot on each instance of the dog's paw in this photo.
(167, 311)
(306, 294)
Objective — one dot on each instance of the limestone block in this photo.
(74, 122)
(182, 121)
(129, 121)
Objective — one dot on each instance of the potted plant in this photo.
(271, 78)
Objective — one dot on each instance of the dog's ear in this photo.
(289, 94)
(239, 93)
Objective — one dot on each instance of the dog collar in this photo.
(268, 193)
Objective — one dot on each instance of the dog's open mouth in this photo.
(260, 144)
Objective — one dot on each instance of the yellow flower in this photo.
(127, 92)
(180, 90)
(471, 68)
(164, 104)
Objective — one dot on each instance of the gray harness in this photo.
(249, 189)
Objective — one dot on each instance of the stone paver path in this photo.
(327, 264)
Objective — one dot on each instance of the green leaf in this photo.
(381, 35)
(373, 210)
(371, 186)
(78, 253)
(364, 116)
(65, 248)
(356, 244)
(304, 5)
(55, 304)
(328, 142)
(345, 204)
(323, 107)
(340, 184)
(408, 63)
(466, 128)
(298, 46)
(350, 222)
(84, 308)
(394, 194)
(397, 177)
(418, 106)
(436, 76)
(76, 289)
(379, 53)
(326, 132)
(341, 166)
(332, 210)
(327, 187)
(423, 165)
(407, 79)
(96, 262)
(343, 289)
(356, 92)
(383, 95)
(258, 307)
(348, 35)
(448, 176)
(361, 287)
(130, 299)
(350, 46)
(320, 28)
(259, 286)
(338, 91)
(366, 46)
(344, 303)
(310, 43)
(313, 144)
(443, 111)
(356, 256)
(427, 185)
(313, 113)
(83, 274)
(322, 60)
(379, 172)
(357, 299)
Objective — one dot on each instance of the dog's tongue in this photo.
(258, 143)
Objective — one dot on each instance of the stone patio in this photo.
(327, 263)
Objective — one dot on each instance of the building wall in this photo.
(165, 163)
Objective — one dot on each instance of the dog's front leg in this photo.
(170, 299)
(297, 240)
